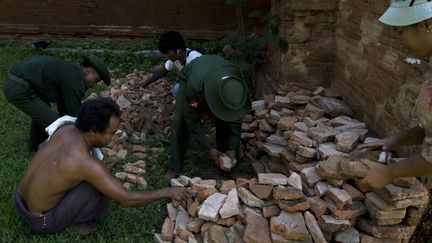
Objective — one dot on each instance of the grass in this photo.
(123, 224)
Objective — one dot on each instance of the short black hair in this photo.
(86, 63)
(171, 41)
(95, 114)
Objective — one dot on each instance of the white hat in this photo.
(407, 12)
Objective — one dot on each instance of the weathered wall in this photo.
(371, 73)
(111, 18)
(308, 26)
(341, 43)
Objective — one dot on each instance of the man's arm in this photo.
(380, 175)
(94, 172)
(160, 72)
(406, 137)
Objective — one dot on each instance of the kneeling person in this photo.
(65, 186)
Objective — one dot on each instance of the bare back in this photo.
(54, 170)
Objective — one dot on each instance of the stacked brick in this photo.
(133, 174)
(308, 207)
(306, 187)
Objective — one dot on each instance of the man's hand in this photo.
(214, 154)
(377, 177)
(231, 154)
(386, 144)
(179, 193)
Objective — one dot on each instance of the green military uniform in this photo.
(34, 83)
(199, 92)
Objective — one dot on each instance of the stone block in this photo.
(306, 152)
(347, 141)
(286, 123)
(270, 211)
(406, 182)
(354, 193)
(326, 150)
(314, 229)
(249, 199)
(287, 193)
(210, 208)
(295, 180)
(298, 167)
(195, 225)
(351, 235)
(226, 186)
(167, 231)
(317, 206)
(294, 205)
(353, 169)
(321, 188)
(379, 202)
(329, 168)
(231, 206)
(312, 123)
(216, 234)
(272, 150)
(181, 224)
(290, 225)
(310, 176)
(158, 239)
(272, 179)
(322, 134)
(262, 191)
(172, 211)
(277, 140)
(392, 193)
(226, 163)
(350, 212)
(300, 127)
(192, 207)
(302, 138)
(330, 224)
(307, 190)
(398, 232)
(264, 126)
(257, 229)
(258, 105)
(314, 112)
(380, 217)
(340, 197)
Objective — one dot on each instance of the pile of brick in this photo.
(145, 111)
(298, 208)
(300, 143)
(133, 174)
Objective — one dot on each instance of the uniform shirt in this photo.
(54, 80)
(192, 87)
(190, 55)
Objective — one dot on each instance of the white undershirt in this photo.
(170, 65)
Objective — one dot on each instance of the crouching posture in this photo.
(65, 186)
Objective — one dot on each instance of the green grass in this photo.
(123, 224)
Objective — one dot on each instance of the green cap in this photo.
(226, 93)
(100, 67)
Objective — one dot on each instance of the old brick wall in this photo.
(309, 27)
(370, 71)
(341, 43)
(112, 18)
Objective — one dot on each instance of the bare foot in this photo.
(82, 229)
(171, 174)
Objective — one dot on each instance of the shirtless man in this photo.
(66, 187)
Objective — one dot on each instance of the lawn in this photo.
(123, 224)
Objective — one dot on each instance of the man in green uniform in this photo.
(34, 83)
(210, 85)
